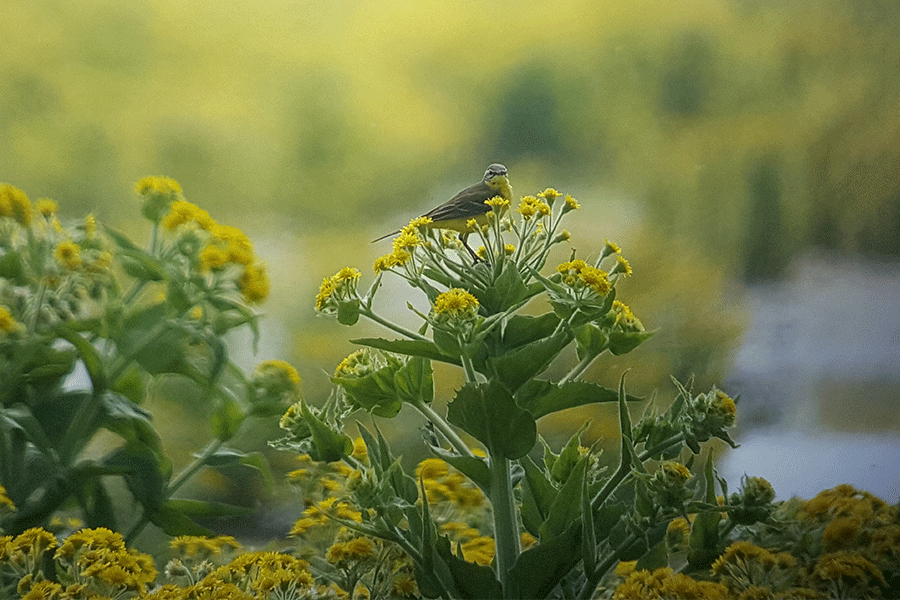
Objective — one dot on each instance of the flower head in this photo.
(7, 325)
(68, 254)
(571, 204)
(15, 204)
(456, 303)
(47, 207)
(578, 274)
(254, 283)
(158, 193)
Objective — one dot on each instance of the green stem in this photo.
(195, 466)
(444, 427)
(32, 324)
(605, 565)
(506, 530)
(469, 368)
(392, 326)
(660, 447)
(577, 370)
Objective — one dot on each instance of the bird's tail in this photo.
(387, 235)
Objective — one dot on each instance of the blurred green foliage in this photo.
(353, 112)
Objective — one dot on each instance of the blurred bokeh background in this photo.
(744, 153)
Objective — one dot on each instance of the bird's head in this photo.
(493, 171)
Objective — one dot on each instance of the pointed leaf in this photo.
(540, 568)
(330, 445)
(525, 363)
(473, 581)
(422, 348)
(541, 397)
(566, 508)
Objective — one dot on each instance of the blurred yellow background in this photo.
(715, 140)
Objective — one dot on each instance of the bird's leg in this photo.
(475, 257)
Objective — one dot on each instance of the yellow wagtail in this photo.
(458, 212)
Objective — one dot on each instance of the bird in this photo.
(458, 212)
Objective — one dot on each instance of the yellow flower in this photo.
(571, 204)
(237, 244)
(550, 195)
(7, 326)
(407, 239)
(212, 258)
(432, 468)
(5, 503)
(254, 283)
(456, 302)
(281, 367)
(498, 202)
(47, 207)
(479, 550)
(15, 204)
(194, 545)
(625, 319)
(182, 211)
(68, 254)
(610, 248)
(622, 266)
(676, 472)
(157, 184)
(418, 222)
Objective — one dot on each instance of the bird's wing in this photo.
(467, 203)
(387, 235)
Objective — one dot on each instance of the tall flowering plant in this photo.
(576, 520)
(87, 297)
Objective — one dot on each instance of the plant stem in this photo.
(577, 370)
(392, 326)
(605, 565)
(457, 442)
(663, 445)
(469, 368)
(506, 530)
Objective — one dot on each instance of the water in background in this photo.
(818, 373)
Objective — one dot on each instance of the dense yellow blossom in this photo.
(7, 325)
(456, 302)
(254, 283)
(68, 254)
(14, 203)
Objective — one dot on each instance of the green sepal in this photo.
(488, 412)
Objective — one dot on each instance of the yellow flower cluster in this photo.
(624, 318)
(354, 550)
(456, 303)
(530, 206)
(158, 185)
(408, 239)
(7, 325)
(340, 286)
(443, 485)
(195, 546)
(577, 273)
(665, 583)
(317, 514)
(14, 203)
(68, 254)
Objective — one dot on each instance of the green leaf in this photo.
(146, 473)
(591, 341)
(174, 522)
(523, 329)
(540, 568)
(655, 558)
(348, 312)
(130, 421)
(508, 290)
(207, 509)
(329, 445)
(12, 268)
(141, 266)
(589, 531)
(422, 348)
(473, 467)
(224, 457)
(704, 543)
(569, 456)
(227, 418)
(488, 413)
(541, 491)
(622, 342)
(521, 365)
(566, 507)
(473, 581)
(541, 397)
(414, 381)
